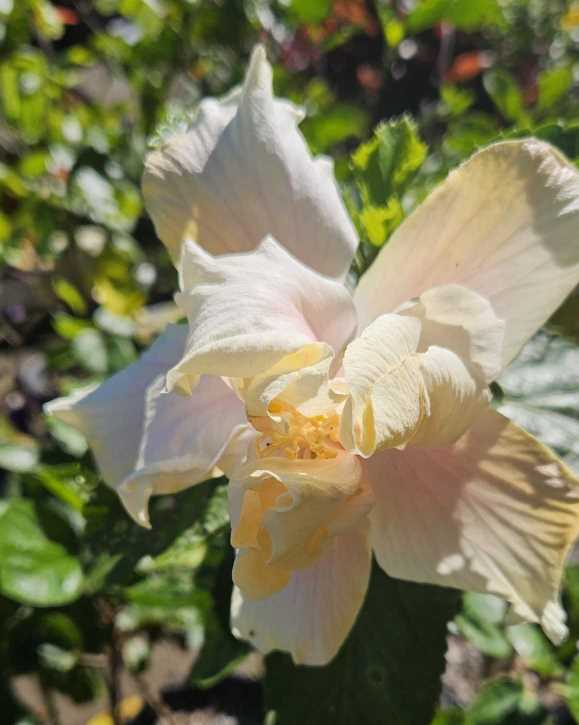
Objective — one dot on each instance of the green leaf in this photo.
(383, 167)
(394, 32)
(453, 716)
(486, 607)
(170, 592)
(469, 15)
(121, 550)
(469, 132)
(334, 125)
(553, 85)
(481, 623)
(457, 100)
(533, 647)
(562, 134)
(373, 678)
(68, 326)
(390, 159)
(486, 636)
(70, 295)
(33, 569)
(507, 97)
(380, 221)
(69, 438)
(541, 393)
(496, 702)
(310, 11)
(572, 689)
(66, 482)
(189, 548)
(90, 350)
(221, 652)
(18, 457)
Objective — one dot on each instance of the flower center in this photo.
(297, 436)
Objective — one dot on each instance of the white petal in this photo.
(461, 342)
(312, 616)
(244, 171)
(248, 311)
(297, 380)
(462, 321)
(496, 513)
(388, 397)
(503, 224)
(149, 442)
(455, 399)
(314, 494)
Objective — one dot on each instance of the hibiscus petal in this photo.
(503, 224)
(149, 442)
(388, 397)
(497, 513)
(461, 342)
(311, 617)
(248, 311)
(315, 494)
(244, 171)
(455, 399)
(460, 320)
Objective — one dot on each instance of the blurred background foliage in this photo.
(97, 615)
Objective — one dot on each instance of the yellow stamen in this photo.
(299, 437)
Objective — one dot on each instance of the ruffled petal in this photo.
(462, 321)
(312, 615)
(454, 399)
(387, 394)
(247, 312)
(461, 343)
(243, 171)
(503, 224)
(149, 442)
(497, 512)
(308, 496)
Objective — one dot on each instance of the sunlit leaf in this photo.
(18, 457)
(496, 702)
(465, 15)
(90, 350)
(383, 167)
(553, 85)
(503, 89)
(310, 11)
(534, 648)
(33, 569)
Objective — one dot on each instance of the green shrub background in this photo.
(397, 93)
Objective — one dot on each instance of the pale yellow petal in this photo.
(462, 321)
(311, 617)
(455, 399)
(497, 512)
(313, 496)
(387, 393)
(503, 224)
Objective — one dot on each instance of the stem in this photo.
(113, 680)
(49, 703)
(113, 659)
